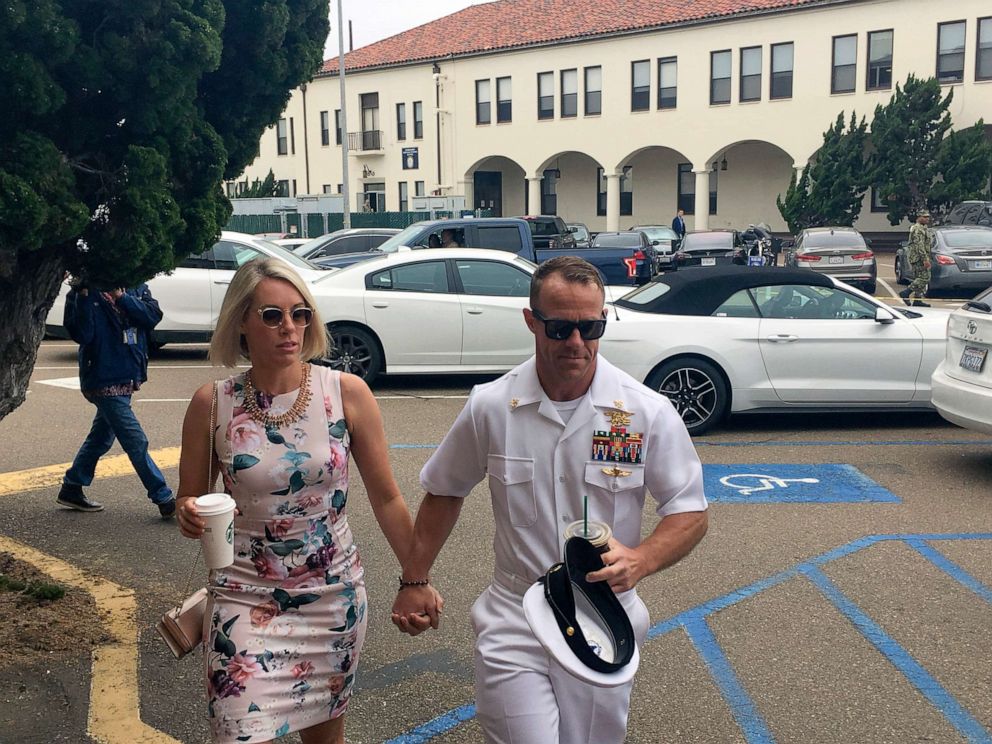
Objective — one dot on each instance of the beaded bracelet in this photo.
(422, 582)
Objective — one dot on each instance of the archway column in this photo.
(534, 194)
(612, 202)
(701, 219)
(466, 187)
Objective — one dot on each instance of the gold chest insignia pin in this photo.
(514, 402)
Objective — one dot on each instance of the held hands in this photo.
(417, 608)
(624, 567)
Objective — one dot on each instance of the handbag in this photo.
(182, 627)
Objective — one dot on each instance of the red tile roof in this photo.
(508, 24)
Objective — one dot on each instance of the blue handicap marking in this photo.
(770, 484)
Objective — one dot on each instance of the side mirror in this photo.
(403, 248)
(883, 316)
(573, 229)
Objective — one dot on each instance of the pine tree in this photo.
(831, 189)
(964, 161)
(260, 188)
(907, 133)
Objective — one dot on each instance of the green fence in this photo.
(292, 223)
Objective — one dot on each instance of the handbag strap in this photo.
(210, 480)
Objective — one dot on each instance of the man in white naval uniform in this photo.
(562, 425)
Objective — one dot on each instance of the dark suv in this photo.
(550, 232)
(970, 213)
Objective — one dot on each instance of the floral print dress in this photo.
(287, 620)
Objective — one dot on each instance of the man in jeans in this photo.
(111, 328)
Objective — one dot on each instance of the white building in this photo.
(617, 112)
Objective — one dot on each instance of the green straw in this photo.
(585, 515)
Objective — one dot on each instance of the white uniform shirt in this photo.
(539, 468)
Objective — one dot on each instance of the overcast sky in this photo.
(372, 20)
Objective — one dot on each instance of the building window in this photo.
(750, 74)
(326, 188)
(950, 52)
(292, 137)
(640, 85)
(418, 119)
(879, 60)
(600, 192)
(877, 205)
(545, 95)
(844, 68)
(713, 182)
(594, 91)
(282, 188)
(325, 128)
(404, 196)
(782, 63)
(337, 126)
(720, 64)
(281, 147)
(401, 121)
(549, 192)
(668, 75)
(483, 102)
(569, 94)
(418, 188)
(504, 100)
(340, 188)
(983, 57)
(687, 188)
(294, 184)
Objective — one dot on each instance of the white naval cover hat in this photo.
(582, 625)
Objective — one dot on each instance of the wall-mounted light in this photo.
(723, 163)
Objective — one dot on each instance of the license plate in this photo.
(836, 259)
(973, 358)
(981, 264)
(708, 262)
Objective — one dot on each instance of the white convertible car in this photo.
(738, 339)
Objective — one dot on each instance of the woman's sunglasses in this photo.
(559, 330)
(272, 316)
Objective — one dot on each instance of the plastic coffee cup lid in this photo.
(598, 533)
(214, 503)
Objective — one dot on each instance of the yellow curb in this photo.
(108, 467)
(114, 710)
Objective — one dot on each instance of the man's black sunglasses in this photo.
(559, 330)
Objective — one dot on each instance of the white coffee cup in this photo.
(217, 510)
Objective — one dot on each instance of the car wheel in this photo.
(354, 350)
(696, 389)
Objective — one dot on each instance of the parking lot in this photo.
(842, 594)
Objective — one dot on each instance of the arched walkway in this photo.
(742, 180)
(496, 184)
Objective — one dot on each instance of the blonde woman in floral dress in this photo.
(286, 622)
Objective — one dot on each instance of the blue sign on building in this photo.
(411, 158)
(769, 484)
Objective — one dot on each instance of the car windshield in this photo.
(288, 256)
(304, 248)
(707, 241)
(658, 233)
(967, 238)
(646, 293)
(543, 227)
(617, 240)
(579, 232)
(846, 238)
(404, 237)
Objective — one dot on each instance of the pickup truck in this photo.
(617, 266)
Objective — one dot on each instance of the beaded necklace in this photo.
(295, 412)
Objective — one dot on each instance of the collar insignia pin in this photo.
(513, 403)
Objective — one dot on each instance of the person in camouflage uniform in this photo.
(918, 255)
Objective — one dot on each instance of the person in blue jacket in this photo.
(111, 328)
(678, 224)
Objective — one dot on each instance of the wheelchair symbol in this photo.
(754, 482)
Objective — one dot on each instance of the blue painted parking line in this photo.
(768, 484)
(911, 669)
(745, 712)
(741, 706)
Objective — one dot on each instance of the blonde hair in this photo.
(228, 344)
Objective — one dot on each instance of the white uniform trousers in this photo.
(523, 696)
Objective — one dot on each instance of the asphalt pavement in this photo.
(847, 603)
